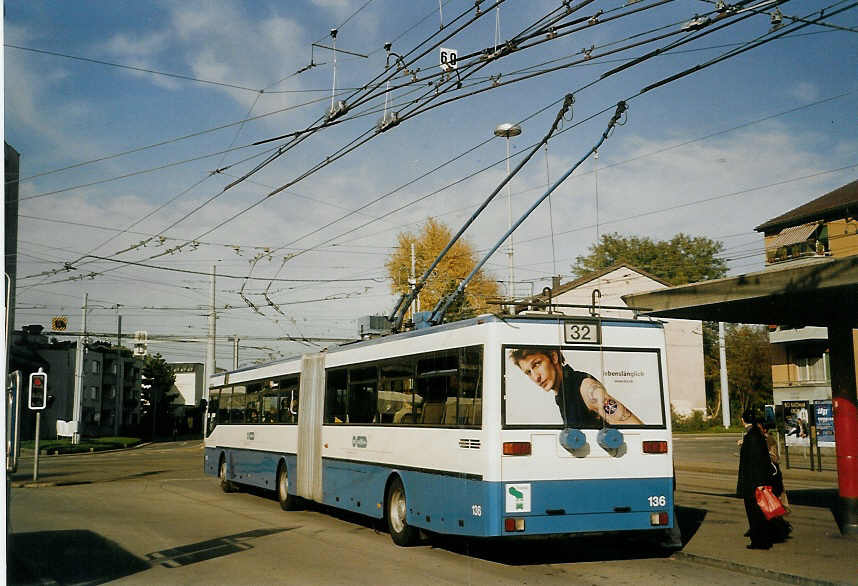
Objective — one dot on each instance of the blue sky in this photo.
(713, 154)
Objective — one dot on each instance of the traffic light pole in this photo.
(36, 453)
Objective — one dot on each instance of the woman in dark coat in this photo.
(754, 470)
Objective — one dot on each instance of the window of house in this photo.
(813, 368)
(94, 366)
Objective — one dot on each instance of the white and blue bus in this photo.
(517, 426)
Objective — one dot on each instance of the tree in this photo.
(749, 367)
(453, 268)
(680, 260)
(157, 395)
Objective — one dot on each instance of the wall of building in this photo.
(189, 383)
(683, 338)
(843, 237)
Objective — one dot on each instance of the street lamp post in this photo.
(507, 130)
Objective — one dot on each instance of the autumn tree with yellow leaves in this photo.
(459, 261)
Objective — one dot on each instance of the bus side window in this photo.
(237, 403)
(252, 403)
(362, 401)
(396, 392)
(288, 391)
(268, 401)
(437, 384)
(223, 406)
(211, 418)
(269, 408)
(335, 396)
(470, 386)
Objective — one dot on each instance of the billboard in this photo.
(582, 388)
(823, 412)
(796, 423)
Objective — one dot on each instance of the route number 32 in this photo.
(582, 332)
(657, 501)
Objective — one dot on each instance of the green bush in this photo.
(696, 422)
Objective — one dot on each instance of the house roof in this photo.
(599, 274)
(841, 201)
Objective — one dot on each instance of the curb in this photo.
(751, 570)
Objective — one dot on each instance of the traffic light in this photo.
(38, 390)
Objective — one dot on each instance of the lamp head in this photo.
(507, 130)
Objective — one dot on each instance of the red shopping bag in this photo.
(770, 504)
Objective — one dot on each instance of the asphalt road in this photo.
(150, 516)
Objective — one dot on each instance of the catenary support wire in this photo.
(445, 302)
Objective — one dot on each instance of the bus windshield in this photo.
(582, 388)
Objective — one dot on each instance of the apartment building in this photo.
(824, 228)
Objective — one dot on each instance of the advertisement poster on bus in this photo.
(582, 388)
(823, 412)
(796, 423)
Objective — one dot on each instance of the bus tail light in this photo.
(658, 518)
(513, 524)
(655, 447)
(516, 448)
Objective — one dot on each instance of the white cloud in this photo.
(805, 92)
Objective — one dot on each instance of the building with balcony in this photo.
(815, 232)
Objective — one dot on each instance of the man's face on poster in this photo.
(544, 369)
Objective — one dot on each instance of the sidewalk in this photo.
(816, 553)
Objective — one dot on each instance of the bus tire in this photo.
(288, 502)
(395, 510)
(225, 484)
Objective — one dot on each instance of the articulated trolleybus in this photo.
(488, 427)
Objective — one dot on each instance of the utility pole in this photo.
(415, 305)
(120, 376)
(725, 391)
(235, 352)
(77, 407)
(211, 362)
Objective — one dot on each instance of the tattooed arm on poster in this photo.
(598, 400)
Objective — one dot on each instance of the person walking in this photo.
(780, 528)
(754, 470)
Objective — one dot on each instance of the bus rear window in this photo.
(582, 388)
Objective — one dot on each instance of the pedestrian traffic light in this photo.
(38, 390)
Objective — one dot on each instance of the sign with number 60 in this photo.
(449, 59)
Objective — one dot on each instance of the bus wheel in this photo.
(225, 484)
(288, 502)
(402, 534)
